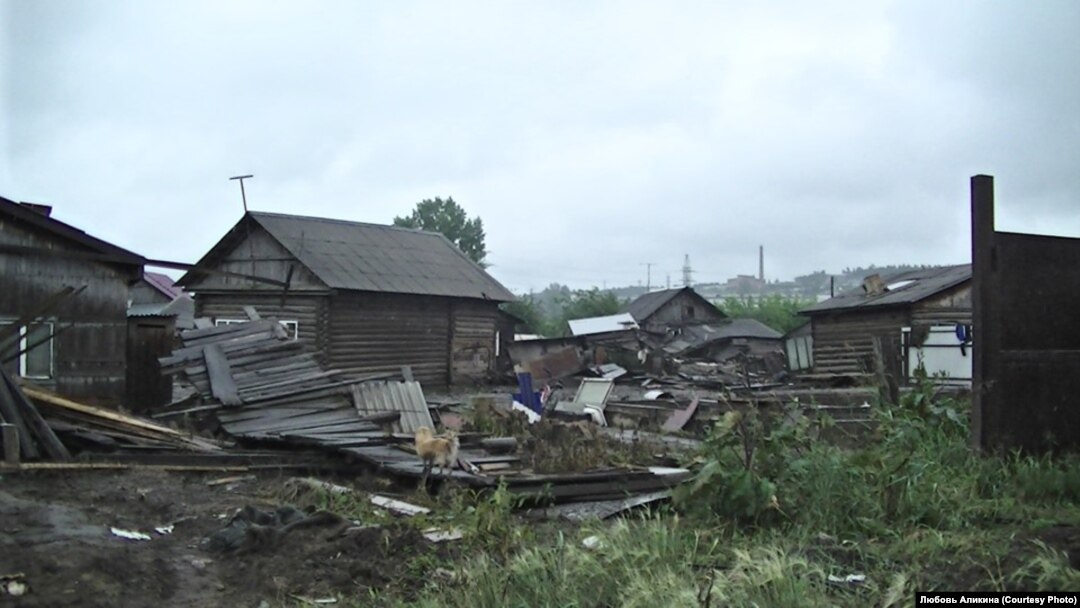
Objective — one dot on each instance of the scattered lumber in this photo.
(35, 437)
(86, 423)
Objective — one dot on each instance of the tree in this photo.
(448, 218)
(583, 304)
(778, 312)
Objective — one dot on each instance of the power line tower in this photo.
(687, 272)
(648, 275)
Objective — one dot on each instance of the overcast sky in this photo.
(591, 137)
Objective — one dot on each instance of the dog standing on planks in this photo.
(436, 450)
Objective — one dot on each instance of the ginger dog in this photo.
(436, 450)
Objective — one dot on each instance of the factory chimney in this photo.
(761, 263)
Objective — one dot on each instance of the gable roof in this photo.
(33, 216)
(369, 257)
(904, 288)
(163, 284)
(646, 305)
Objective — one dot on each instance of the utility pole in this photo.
(648, 275)
(687, 272)
(243, 195)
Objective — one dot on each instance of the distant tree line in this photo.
(548, 312)
(777, 311)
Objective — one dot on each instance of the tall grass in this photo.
(771, 513)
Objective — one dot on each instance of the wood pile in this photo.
(46, 426)
(86, 425)
(262, 385)
(26, 434)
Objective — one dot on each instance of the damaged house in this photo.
(657, 311)
(366, 298)
(63, 309)
(850, 330)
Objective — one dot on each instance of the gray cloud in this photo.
(590, 137)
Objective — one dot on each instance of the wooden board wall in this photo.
(89, 357)
(374, 333)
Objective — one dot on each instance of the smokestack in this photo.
(761, 263)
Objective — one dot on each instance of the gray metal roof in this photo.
(694, 336)
(373, 257)
(903, 288)
(645, 305)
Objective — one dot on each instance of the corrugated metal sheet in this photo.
(372, 257)
(600, 325)
(910, 287)
(405, 397)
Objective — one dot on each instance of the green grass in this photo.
(772, 514)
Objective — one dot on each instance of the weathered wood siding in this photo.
(472, 345)
(844, 343)
(89, 357)
(374, 333)
(948, 308)
(260, 255)
(684, 308)
(149, 338)
(310, 311)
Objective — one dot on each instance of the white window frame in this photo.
(23, 343)
(292, 326)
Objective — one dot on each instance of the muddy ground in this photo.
(55, 532)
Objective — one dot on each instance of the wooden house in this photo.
(365, 298)
(657, 311)
(67, 292)
(157, 295)
(847, 331)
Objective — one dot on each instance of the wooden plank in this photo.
(252, 314)
(60, 402)
(9, 412)
(271, 426)
(44, 435)
(9, 434)
(222, 385)
(267, 390)
(679, 418)
(191, 337)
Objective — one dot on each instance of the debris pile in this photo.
(261, 385)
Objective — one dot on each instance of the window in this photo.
(292, 328)
(37, 360)
(689, 312)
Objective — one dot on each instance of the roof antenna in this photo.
(242, 194)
